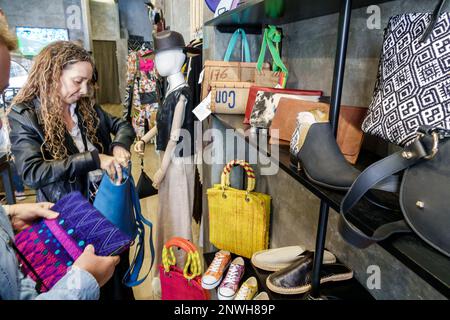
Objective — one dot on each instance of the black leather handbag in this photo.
(424, 192)
(144, 186)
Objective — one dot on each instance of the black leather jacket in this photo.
(164, 119)
(55, 178)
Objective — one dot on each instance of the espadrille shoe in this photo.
(280, 258)
(296, 279)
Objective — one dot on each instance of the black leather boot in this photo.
(322, 160)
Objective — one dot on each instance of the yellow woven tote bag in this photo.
(238, 219)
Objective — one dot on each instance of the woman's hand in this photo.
(111, 166)
(23, 215)
(101, 268)
(139, 147)
(122, 155)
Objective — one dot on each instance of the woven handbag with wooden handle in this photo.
(238, 219)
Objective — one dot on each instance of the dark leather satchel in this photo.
(424, 192)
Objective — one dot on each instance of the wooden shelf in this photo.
(257, 13)
(417, 255)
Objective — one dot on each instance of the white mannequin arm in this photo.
(149, 135)
(140, 145)
(174, 136)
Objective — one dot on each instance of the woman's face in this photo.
(75, 81)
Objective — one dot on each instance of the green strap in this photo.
(272, 39)
(232, 44)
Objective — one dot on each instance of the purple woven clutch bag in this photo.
(51, 246)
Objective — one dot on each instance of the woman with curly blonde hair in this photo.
(58, 133)
(60, 136)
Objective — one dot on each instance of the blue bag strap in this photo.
(232, 44)
(131, 277)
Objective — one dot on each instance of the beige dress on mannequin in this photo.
(176, 191)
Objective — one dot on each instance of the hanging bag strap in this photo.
(231, 46)
(272, 39)
(434, 19)
(423, 148)
(131, 94)
(131, 277)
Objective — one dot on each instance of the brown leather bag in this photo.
(350, 135)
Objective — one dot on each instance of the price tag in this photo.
(201, 76)
(203, 110)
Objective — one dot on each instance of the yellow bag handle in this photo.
(192, 268)
(251, 178)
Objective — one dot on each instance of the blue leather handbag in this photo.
(119, 203)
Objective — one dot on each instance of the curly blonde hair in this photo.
(43, 82)
(6, 37)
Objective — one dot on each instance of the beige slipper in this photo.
(280, 258)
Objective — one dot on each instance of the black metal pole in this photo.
(320, 248)
(339, 64)
(338, 81)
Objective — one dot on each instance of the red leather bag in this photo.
(254, 91)
(178, 284)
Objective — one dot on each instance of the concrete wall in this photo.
(105, 20)
(46, 14)
(134, 18)
(105, 25)
(177, 14)
(309, 50)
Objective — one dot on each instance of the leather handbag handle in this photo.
(377, 173)
(232, 44)
(251, 178)
(131, 277)
(192, 267)
(434, 18)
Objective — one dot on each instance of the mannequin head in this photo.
(169, 62)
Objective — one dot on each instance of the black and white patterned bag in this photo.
(413, 85)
